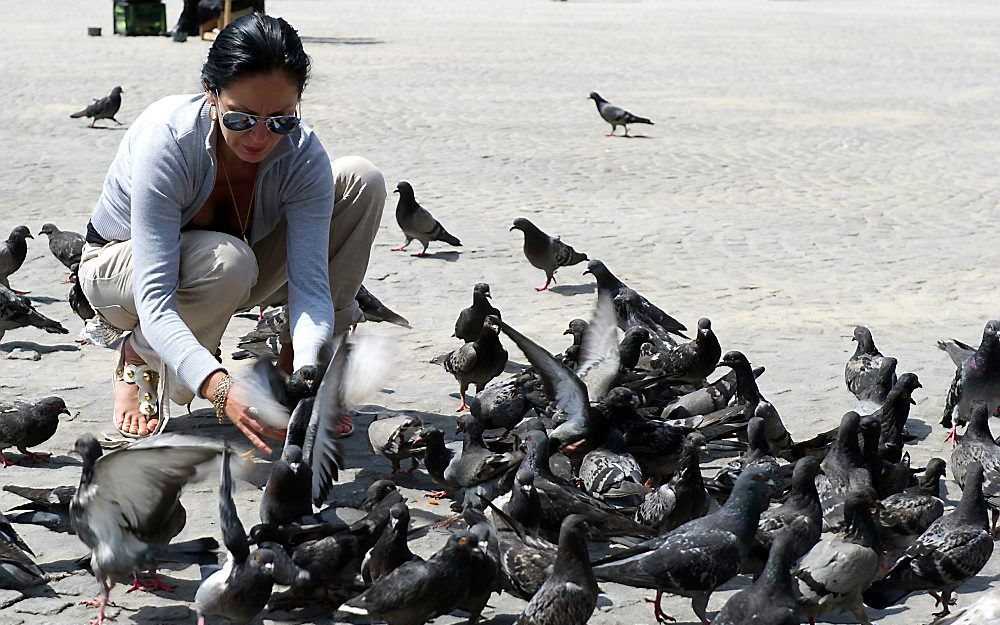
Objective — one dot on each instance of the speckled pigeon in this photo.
(546, 252)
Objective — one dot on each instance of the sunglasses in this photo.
(241, 122)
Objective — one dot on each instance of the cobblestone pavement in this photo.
(814, 165)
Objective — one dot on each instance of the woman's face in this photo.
(265, 95)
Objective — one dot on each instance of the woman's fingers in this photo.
(252, 437)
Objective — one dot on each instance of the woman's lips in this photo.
(252, 151)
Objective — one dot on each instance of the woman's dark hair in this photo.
(252, 45)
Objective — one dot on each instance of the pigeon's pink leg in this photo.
(155, 583)
(16, 292)
(952, 436)
(658, 613)
(544, 288)
(438, 494)
(446, 523)
(5, 461)
(401, 248)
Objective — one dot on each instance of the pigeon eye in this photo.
(463, 541)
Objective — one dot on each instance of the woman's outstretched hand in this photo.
(241, 414)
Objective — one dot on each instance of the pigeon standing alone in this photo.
(616, 115)
(545, 252)
(65, 245)
(24, 425)
(103, 108)
(13, 251)
(16, 312)
(417, 223)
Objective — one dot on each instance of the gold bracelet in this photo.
(220, 396)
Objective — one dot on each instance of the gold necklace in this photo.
(243, 228)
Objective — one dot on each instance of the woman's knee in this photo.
(356, 176)
(218, 263)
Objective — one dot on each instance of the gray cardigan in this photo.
(163, 173)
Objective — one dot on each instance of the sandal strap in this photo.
(147, 379)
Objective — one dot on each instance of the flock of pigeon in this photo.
(603, 444)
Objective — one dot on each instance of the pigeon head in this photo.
(936, 469)
(695, 442)
(375, 493)
(620, 397)
(886, 371)
(804, 473)
(597, 269)
(704, 325)
(734, 360)
(462, 542)
(469, 424)
(399, 514)
(491, 323)
(292, 456)
(262, 560)
(525, 480)
(429, 439)
(482, 289)
(866, 345)
(53, 406)
(88, 449)
(48, 229)
(596, 97)
(907, 383)
(405, 190)
(536, 451)
(757, 437)
(992, 328)
(752, 492)
(117, 91)
(859, 526)
(524, 225)
(20, 233)
(979, 422)
(577, 327)
(265, 533)
(847, 433)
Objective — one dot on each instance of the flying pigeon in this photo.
(545, 252)
(469, 326)
(616, 115)
(127, 523)
(103, 108)
(417, 223)
(862, 368)
(632, 308)
(977, 377)
(24, 425)
(241, 589)
(12, 254)
(16, 312)
(65, 245)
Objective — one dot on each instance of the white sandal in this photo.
(147, 380)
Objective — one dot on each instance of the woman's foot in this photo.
(128, 417)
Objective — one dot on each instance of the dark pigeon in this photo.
(484, 569)
(892, 416)
(77, 299)
(698, 557)
(569, 595)
(393, 438)
(748, 395)
(16, 312)
(616, 115)
(525, 558)
(681, 499)
(417, 223)
(391, 549)
(978, 446)
(419, 591)
(758, 454)
(694, 361)
(469, 326)
(954, 548)
(13, 251)
(106, 495)
(48, 507)
(799, 516)
(241, 589)
(844, 470)
(24, 425)
(908, 514)
(838, 569)
(478, 362)
(17, 567)
(103, 108)
(546, 252)
(862, 368)
(502, 404)
(374, 310)
(978, 377)
(770, 599)
(65, 245)
(632, 308)
(524, 505)
(571, 355)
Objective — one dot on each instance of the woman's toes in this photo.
(151, 424)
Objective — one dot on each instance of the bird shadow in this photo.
(123, 127)
(44, 299)
(574, 289)
(449, 256)
(160, 614)
(632, 136)
(41, 349)
(918, 429)
(54, 462)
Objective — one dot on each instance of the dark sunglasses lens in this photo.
(282, 124)
(238, 122)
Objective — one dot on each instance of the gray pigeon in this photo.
(633, 309)
(769, 600)
(502, 404)
(48, 507)
(610, 473)
(838, 569)
(755, 405)
(906, 515)
(127, 523)
(862, 368)
(477, 362)
(569, 595)
(698, 557)
(417, 223)
(545, 252)
(844, 470)
(13, 251)
(393, 438)
(241, 589)
(616, 115)
(65, 245)
(977, 377)
(103, 108)
(420, 590)
(24, 425)
(978, 446)
(469, 326)
(374, 310)
(694, 361)
(16, 312)
(875, 396)
(953, 549)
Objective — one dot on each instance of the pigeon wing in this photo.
(599, 359)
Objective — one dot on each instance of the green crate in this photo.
(145, 18)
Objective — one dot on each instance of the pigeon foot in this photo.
(446, 523)
(658, 613)
(6, 461)
(398, 249)
(155, 583)
(16, 292)
(437, 494)
(952, 436)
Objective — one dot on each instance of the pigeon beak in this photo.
(512, 228)
(395, 190)
(912, 403)
(586, 271)
(568, 331)
(29, 236)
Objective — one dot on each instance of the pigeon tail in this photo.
(635, 119)
(79, 114)
(444, 235)
(884, 593)
(197, 551)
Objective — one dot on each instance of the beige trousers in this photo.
(219, 274)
